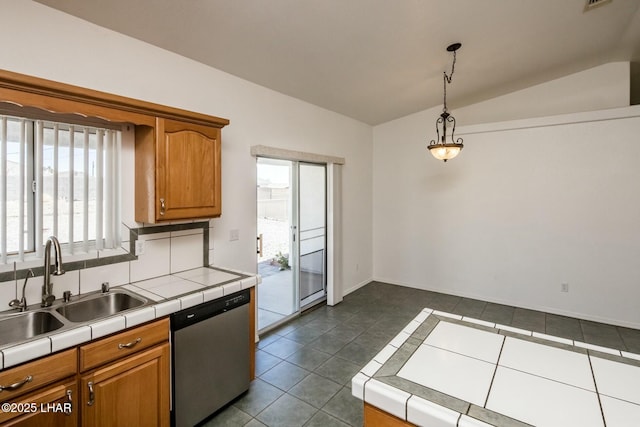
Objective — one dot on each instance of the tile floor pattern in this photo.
(304, 368)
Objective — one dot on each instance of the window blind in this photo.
(57, 179)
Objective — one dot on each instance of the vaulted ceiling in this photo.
(377, 60)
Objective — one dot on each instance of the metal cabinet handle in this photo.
(129, 344)
(91, 394)
(163, 206)
(17, 385)
(70, 411)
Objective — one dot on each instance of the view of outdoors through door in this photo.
(291, 227)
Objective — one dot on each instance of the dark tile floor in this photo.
(304, 368)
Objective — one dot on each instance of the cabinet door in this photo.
(131, 392)
(57, 407)
(187, 171)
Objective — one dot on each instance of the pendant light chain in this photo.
(447, 79)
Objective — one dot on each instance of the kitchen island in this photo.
(447, 370)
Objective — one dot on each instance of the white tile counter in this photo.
(167, 294)
(445, 370)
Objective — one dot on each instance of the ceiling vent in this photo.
(592, 4)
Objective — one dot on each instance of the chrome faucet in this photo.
(47, 287)
(21, 304)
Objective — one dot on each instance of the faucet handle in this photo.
(105, 287)
(47, 300)
(66, 296)
(19, 304)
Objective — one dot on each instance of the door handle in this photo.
(259, 249)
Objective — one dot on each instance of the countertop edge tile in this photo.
(191, 300)
(386, 397)
(140, 316)
(107, 326)
(166, 308)
(385, 354)
(26, 351)
(70, 338)
(467, 421)
(479, 322)
(412, 326)
(630, 355)
(597, 348)
(514, 330)
(552, 338)
(231, 288)
(212, 293)
(371, 368)
(358, 383)
(399, 339)
(448, 315)
(425, 413)
(248, 282)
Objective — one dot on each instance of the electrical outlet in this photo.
(234, 235)
(139, 247)
(564, 287)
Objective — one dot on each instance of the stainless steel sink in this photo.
(24, 326)
(100, 305)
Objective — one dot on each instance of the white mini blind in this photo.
(58, 179)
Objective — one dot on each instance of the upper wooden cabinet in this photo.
(177, 151)
(177, 171)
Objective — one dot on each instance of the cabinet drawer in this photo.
(36, 374)
(123, 344)
(53, 406)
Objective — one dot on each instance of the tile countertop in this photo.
(167, 294)
(446, 370)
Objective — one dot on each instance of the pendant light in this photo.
(446, 147)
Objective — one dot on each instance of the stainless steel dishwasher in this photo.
(210, 357)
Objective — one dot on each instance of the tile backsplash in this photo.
(167, 249)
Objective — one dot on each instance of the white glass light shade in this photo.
(445, 151)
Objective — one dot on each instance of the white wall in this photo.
(46, 43)
(518, 212)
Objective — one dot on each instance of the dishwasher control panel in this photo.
(195, 314)
(238, 300)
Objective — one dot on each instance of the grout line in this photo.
(595, 385)
(493, 377)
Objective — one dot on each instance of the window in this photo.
(58, 179)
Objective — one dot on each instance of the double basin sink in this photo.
(17, 327)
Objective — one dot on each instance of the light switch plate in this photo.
(234, 235)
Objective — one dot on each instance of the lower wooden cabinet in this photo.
(374, 417)
(57, 406)
(131, 392)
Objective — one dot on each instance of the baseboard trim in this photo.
(357, 286)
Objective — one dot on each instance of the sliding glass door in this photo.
(291, 225)
(312, 221)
